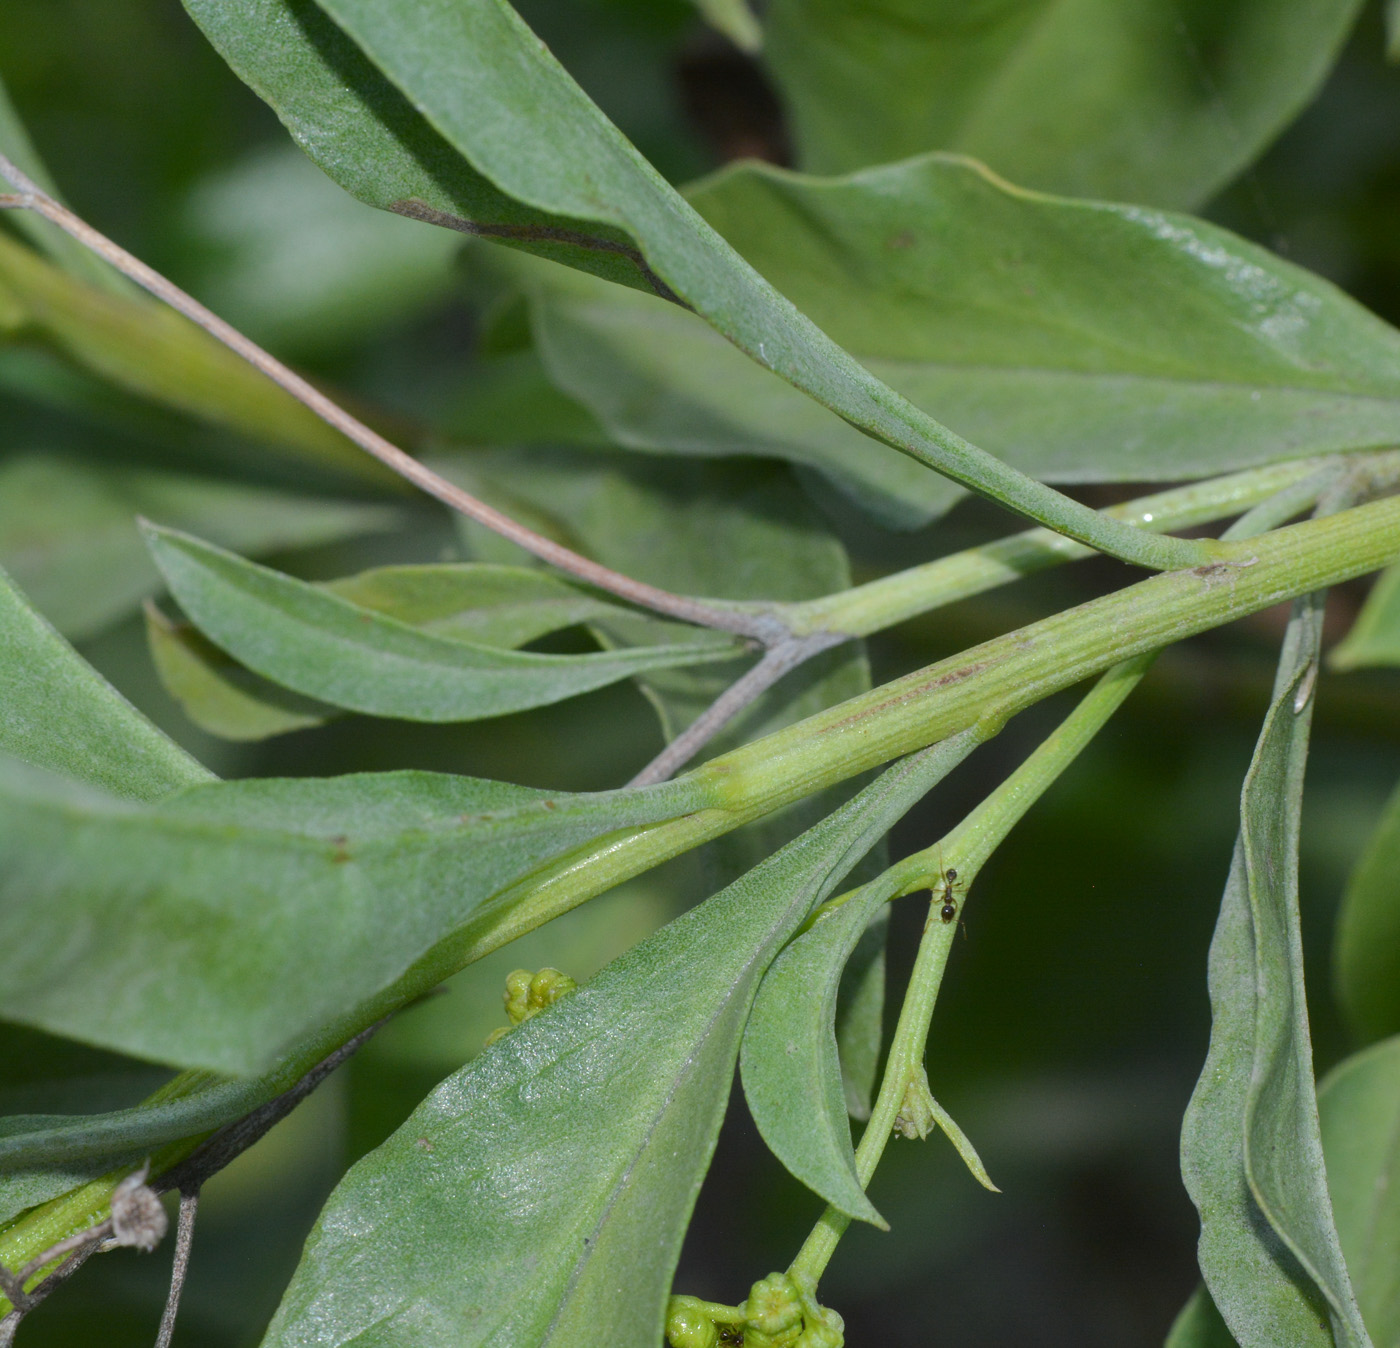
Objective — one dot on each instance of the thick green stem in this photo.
(1009, 673)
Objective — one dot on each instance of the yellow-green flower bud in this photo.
(688, 1325)
(828, 1332)
(773, 1313)
(517, 998)
(548, 986)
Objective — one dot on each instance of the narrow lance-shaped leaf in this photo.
(318, 644)
(791, 1072)
(59, 713)
(860, 1016)
(1367, 950)
(1077, 340)
(1151, 101)
(539, 1196)
(381, 96)
(1251, 1148)
(729, 531)
(503, 606)
(1359, 1104)
(221, 924)
(68, 530)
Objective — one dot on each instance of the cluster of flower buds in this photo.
(778, 1314)
(527, 994)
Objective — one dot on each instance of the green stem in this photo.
(1009, 673)
(982, 686)
(892, 599)
(963, 851)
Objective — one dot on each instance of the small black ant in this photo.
(950, 909)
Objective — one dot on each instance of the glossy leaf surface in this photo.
(318, 644)
(1251, 1147)
(57, 712)
(539, 1195)
(1359, 1104)
(1077, 340)
(218, 926)
(1136, 100)
(1367, 951)
(68, 530)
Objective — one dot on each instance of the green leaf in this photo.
(662, 380)
(503, 606)
(221, 924)
(1150, 101)
(735, 20)
(791, 1072)
(1078, 340)
(539, 1196)
(1251, 1148)
(1392, 29)
(59, 713)
(323, 646)
(1367, 951)
(1359, 1105)
(493, 605)
(68, 530)
(151, 351)
(1199, 1325)
(1374, 639)
(382, 97)
(860, 1016)
(217, 693)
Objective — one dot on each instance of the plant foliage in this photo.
(325, 747)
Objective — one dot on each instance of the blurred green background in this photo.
(1074, 1018)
